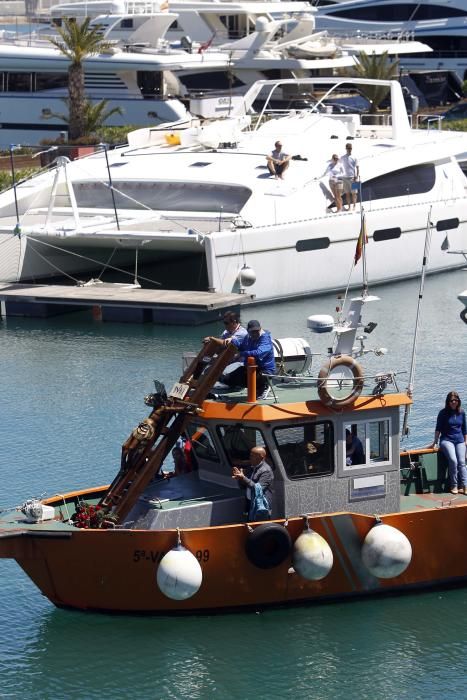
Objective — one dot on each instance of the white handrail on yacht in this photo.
(400, 119)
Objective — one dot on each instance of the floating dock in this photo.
(121, 303)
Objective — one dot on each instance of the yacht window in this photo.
(202, 443)
(238, 441)
(306, 450)
(386, 234)
(312, 244)
(163, 196)
(199, 164)
(126, 23)
(367, 444)
(19, 82)
(444, 43)
(414, 180)
(174, 25)
(150, 82)
(428, 11)
(447, 224)
(218, 80)
(51, 81)
(56, 21)
(381, 13)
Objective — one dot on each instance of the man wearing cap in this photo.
(278, 161)
(258, 344)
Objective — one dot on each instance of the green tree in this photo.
(379, 68)
(77, 41)
(95, 116)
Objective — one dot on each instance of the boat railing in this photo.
(373, 384)
(372, 35)
(432, 121)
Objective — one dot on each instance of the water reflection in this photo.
(409, 646)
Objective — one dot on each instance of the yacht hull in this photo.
(314, 249)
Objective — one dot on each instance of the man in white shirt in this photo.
(278, 161)
(351, 175)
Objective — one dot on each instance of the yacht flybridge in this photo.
(201, 196)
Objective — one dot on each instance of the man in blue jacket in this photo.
(258, 344)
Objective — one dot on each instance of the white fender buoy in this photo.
(247, 276)
(179, 574)
(312, 557)
(386, 551)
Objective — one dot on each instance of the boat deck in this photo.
(167, 498)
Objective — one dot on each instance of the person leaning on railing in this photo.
(451, 433)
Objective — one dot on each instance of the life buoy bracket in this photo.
(268, 545)
(325, 376)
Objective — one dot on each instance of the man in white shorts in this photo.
(351, 175)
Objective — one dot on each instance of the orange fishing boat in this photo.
(340, 528)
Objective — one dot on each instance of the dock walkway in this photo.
(115, 302)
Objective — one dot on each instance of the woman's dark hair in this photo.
(453, 395)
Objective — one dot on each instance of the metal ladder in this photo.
(148, 445)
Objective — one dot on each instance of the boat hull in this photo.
(115, 570)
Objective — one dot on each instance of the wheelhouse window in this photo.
(238, 440)
(367, 444)
(202, 443)
(306, 450)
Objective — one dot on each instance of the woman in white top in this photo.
(335, 171)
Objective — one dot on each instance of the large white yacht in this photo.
(144, 75)
(200, 201)
(442, 24)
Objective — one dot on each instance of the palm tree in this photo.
(95, 115)
(377, 67)
(78, 41)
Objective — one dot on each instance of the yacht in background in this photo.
(200, 201)
(440, 24)
(145, 76)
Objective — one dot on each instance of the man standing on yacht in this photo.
(351, 175)
(278, 161)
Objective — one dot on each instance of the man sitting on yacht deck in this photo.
(278, 161)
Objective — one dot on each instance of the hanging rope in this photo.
(84, 257)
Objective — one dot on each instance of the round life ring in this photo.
(340, 381)
(268, 545)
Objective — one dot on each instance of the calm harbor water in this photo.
(71, 391)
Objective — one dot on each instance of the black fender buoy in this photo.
(268, 545)
(325, 376)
